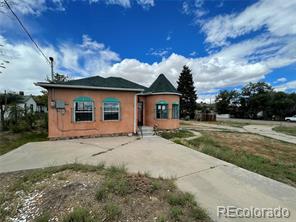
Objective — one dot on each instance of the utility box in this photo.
(60, 104)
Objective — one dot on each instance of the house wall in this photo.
(61, 124)
(28, 104)
(150, 102)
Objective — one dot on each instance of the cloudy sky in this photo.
(226, 43)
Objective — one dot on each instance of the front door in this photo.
(140, 113)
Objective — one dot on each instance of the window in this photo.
(161, 110)
(83, 109)
(111, 108)
(175, 111)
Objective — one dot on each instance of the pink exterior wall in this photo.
(62, 124)
(150, 102)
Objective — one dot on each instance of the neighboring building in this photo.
(109, 106)
(27, 102)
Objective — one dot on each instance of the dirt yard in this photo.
(84, 193)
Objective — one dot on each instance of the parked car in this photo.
(292, 118)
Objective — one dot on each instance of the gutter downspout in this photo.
(135, 114)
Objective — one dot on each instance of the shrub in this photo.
(176, 213)
(181, 199)
(112, 211)
(78, 215)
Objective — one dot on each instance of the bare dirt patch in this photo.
(61, 194)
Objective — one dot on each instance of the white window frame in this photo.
(178, 111)
(167, 105)
(92, 111)
(119, 112)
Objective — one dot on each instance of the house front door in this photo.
(140, 113)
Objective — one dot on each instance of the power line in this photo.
(26, 31)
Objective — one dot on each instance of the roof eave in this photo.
(161, 93)
(50, 85)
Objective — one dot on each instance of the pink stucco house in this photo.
(97, 106)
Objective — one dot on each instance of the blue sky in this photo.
(226, 43)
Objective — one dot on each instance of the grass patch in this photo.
(181, 199)
(184, 203)
(286, 130)
(78, 215)
(112, 212)
(10, 141)
(116, 182)
(176, 134)
(275, 167)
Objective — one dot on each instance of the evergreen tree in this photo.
(188, 97)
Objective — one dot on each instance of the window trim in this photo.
(111, 100)
(83, 99)
(178, 108)
(162, 103)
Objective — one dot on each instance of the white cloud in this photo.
(26, 66)
(194, 8)
(286, 86)
(276, 16)
(281, 80)
(230, 65)
(159, 52)
(169, 36)
(146, 3)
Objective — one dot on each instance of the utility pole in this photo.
(51, 65)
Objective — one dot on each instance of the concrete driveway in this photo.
(213, 182)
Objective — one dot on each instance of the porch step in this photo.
(147, 131)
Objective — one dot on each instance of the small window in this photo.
(111, 109)
(175, 111)
(83, 109)
(161, 111)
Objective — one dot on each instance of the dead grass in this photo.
(93, 193)
(274, 150)
(271, 158)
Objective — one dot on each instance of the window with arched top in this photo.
(111, 109)
(162, 109)
(83, 109)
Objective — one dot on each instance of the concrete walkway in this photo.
(213, 182)
(267, 131)
(263, 130)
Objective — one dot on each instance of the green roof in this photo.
(110, 82)
(161, 84)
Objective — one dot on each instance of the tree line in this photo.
(256, 101)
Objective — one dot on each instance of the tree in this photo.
(57, 78)
(227, 102)
(188, 97)
(42, 99)
(7, 99)
(255, 97)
